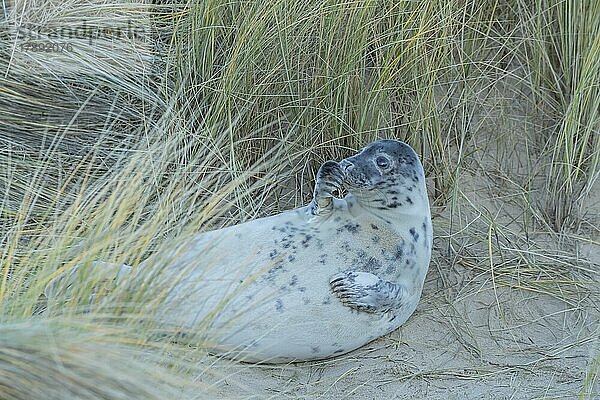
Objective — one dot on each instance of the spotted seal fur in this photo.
(320, 280)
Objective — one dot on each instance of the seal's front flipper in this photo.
(329, 179)
(367, 292)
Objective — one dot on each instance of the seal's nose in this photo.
(346, 165)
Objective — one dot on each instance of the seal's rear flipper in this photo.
(104, 275)
(364, 291)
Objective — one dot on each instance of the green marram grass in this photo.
(62, 359)
(219, 112)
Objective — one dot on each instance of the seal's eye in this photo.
(382, 162)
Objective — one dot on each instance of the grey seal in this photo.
(317, 281)
(308, 283)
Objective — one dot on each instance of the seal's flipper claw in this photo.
(364, 291)
(329, 179)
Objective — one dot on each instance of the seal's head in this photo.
(387, 174)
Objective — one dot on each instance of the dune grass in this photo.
(54, 359)
(222, 111)
(562, 54)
